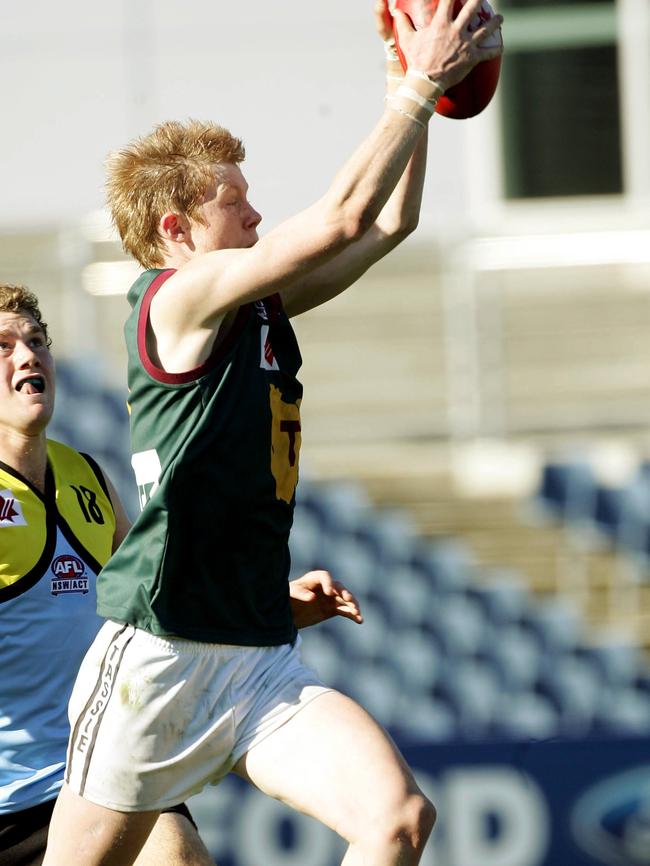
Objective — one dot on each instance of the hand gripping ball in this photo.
(473, 93)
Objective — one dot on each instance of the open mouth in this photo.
(31, 385)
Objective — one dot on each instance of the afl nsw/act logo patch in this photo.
(69, 575)
(11, 512)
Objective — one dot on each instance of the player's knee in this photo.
(412, 824)
(421, 817)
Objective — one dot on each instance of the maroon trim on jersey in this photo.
(219, 350)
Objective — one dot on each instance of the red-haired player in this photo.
(197, 671)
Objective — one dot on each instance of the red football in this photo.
(474, 92)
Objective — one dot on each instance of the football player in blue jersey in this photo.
(60, 520)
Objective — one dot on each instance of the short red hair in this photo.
(168, 170)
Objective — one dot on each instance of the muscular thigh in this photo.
(332, 761)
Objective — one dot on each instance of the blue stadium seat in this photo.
(410, 597)
(516, 654)
(632, 536)
(460, 625)
(416, 661)
(472, 688)
(622, 514)
(306, 542)
(526, 716)
(619, 663)
(556, 623)
(321, 650)
(354, 563)
(609, 507)
(389, 534)
(366, 641)
(423, 718)
(341, 507)
(624, 712)
(502, 595)
(448, 564)
(616, 515)
(576, 691)
(567, 490)
(375, 686)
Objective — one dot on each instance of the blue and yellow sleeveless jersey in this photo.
(52, 546)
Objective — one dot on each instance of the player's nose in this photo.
(254, 218)
(25, 355)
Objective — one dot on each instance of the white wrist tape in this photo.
(408, 93)
(416, 73)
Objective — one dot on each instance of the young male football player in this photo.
(60, 520)
(197, 671)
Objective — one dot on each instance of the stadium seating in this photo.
(475, 656)
(568, 490)
(614, 515)
(448, 650)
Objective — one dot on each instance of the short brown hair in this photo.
(169, 169)
(18, 299)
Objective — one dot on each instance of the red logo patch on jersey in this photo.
(69, 575)
(11, 512)
(267, 359)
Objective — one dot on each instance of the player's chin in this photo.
(44, 409)
(37, 419)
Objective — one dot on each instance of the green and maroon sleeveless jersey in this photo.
(215, 455)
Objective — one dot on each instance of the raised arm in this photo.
(397, 220)
(361, 201)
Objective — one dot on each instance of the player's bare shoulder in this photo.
(195, 296)
(188, 315)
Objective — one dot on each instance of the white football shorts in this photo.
(153, 720)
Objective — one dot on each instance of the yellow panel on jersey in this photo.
(23, 528)
(82, 500)
(285, 446)
(75, 501)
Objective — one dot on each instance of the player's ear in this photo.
(173, 227)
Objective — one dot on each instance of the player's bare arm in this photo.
(219, 281)
(122, 522)
(398, 219)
